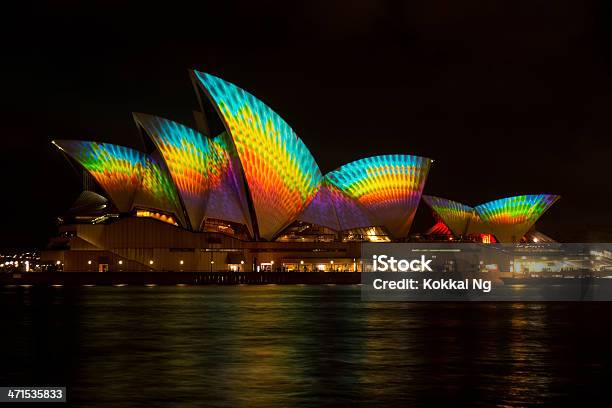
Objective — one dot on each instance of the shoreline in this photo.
(222, 278)
(176, 278)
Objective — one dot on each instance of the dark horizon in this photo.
(507, 99)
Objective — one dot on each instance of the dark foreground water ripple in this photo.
(267, 346)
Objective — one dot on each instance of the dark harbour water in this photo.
(283, 346)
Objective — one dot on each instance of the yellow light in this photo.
(241, 262)
(271, 262)
(88, 262)
(121, 262)
(181, 262)
(151, 262)
(301, 262)
(58, 262)
(332, 261)
(212, 262)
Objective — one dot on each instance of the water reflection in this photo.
(249, 346)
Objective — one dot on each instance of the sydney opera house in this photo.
(249, 196)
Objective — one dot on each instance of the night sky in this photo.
(507, 97)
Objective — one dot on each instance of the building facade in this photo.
(252, 197)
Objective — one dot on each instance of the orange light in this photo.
(155, 215)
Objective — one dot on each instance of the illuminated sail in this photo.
(129, 177)
(477, 226)
(334, 209)
(116, 169)
(321, 210)
(157, 191)
(227, 200)
(194, 161)
(510, 218)
(388, 187)
(350, 213)
(455, 215)
(281, 174)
